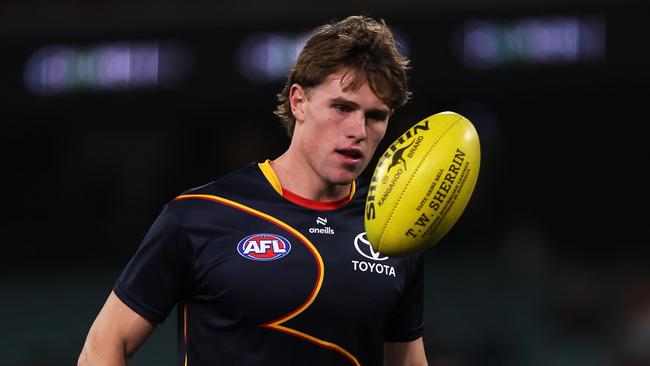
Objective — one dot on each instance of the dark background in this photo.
(547, 266)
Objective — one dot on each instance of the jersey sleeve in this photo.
(152, 281)
(406, 321)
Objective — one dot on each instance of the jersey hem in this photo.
(144, 311)
(405, 336)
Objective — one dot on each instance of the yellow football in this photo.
(422, 184)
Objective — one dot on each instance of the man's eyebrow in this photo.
(339, 100)
(374, 111)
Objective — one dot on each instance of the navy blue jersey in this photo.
(261, 280)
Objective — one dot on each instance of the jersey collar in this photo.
(272, 178)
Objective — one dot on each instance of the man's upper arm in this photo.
(405, 353)
(116, 333)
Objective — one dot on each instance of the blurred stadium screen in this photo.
(536, 40)
(267, 57)
(57, 69)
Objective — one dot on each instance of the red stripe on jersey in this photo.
(314, 205)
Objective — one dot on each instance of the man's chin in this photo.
(345, 179)
(346, 174)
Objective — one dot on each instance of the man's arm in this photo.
(115, 335)
(405, 353)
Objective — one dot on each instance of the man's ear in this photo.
(297, 98)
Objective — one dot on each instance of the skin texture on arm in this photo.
(405, 353)
(115, 335)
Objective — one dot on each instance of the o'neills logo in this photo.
(395, 154)
(321, 230)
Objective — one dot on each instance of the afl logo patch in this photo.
(263, 247)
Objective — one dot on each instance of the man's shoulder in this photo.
(239, 180)
(245, 186)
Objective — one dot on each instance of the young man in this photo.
(270, 265)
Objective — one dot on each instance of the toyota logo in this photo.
(364, 248)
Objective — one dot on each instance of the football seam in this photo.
(390, 217)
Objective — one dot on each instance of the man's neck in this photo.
(297, 175)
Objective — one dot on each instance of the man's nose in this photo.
(357, 125)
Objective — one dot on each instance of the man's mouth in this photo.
(351, 153)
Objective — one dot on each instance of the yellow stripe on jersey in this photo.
(315, 340)
(269, 173)
(277, 324)
(352, 190)
(185, 331)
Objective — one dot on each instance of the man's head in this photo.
(359, 44)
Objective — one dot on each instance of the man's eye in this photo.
(376, 116)
(342, 108)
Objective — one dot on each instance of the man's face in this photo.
(339, 128)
